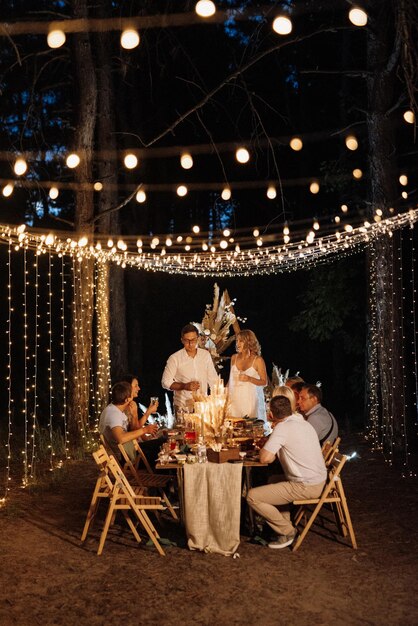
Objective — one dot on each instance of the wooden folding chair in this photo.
(329, 450)
(113, 485)
(146, 478)
(333, 493)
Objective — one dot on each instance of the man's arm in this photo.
(121, 436)
(266, 456)
(168, 380)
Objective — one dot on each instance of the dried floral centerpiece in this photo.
(216, 324)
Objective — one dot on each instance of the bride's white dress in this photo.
(246, 399)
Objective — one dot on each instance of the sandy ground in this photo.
(48, 577)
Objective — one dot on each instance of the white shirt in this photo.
(112, 416)
(182, 368)
(297, 447)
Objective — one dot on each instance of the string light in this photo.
(98, 186)
(72, 160)
(403, 179)
(358, 17)
(186, 161)
(409, 117)
(20, 167)
(129, 39)
(296, 144)
(314, 187)
(351, 142)
(242, 155)
(205, 8)
(196, 229)
(357, 173)
(181, 191)
(226, 193)
(141, 196)
(271, 192)
(130, 161)
(53, 193)
(56, 38)
(282, 25)
(7, 190)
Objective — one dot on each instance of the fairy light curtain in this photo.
(36, 296)
(39, 288)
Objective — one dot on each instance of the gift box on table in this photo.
(230, 454)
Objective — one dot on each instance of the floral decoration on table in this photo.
(215, 328)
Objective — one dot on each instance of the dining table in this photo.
(210, 496)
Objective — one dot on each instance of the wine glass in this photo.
(242, 455)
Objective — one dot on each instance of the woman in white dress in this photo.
(247, 378)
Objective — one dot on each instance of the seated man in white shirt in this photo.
(296, 445)
(114, 423)
(188, 370)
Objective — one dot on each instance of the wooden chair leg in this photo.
(109, 517)
(94, 505)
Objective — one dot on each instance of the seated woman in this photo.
(247, 378)
(114, 424)
(150, 446)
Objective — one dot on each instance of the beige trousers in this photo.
(272, 502)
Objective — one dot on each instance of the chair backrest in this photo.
(116, 479)
(330, 449)
(141, 457)
(336, 465)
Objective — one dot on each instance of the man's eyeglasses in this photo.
(189, 340)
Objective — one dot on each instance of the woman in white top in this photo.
(248, 378)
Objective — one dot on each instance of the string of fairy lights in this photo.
(71, 256)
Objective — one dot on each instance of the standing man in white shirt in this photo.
(188, 370)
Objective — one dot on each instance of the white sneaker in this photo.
(282, 541)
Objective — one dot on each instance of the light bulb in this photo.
(271, 192)
(286, 229)
(196, 229)
(20, 167)
(282, 25)
(130, 161)
(316, 225)
(181, 191)
(205, 8)
(53, 193)
(226, 232)
(129, 39)
(56, 38)
(403, 179)
(141, 196)
(351, 142)
(98, 186)
(256, 232)
(296, 144)
(357, 173)
(226, 193)
(314, 187)
(242, 155)
(344, 208)
(72, 160)
(223, 244)
(409, 117)
(186, 161)
(358, 17)
(7, 190)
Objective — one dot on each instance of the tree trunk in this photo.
(80, 365)
(385, 302)
(107, 173)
